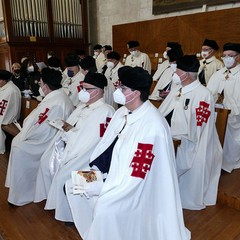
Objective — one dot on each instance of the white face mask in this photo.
(84, 96)
(176, 79)
(30, 69)
(110, 65)
(173, 66)
(165, 55)
(119, 97)
(134, 53)
(204, 54)
(228, 61)
(42, 94)
(96, 54)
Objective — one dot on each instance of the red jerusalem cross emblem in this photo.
(3, 106)
(202, 113)
(142, 160)
(103, 126)
(43, 116)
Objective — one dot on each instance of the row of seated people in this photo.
(192, 121)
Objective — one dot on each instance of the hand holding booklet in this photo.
(87, 183)
(61, 125)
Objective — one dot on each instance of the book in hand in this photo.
(88, 183)
(62, 125)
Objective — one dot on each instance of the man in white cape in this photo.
(90, 120)
(136, 57)
(29, 145)
(190, 113)
(140, 197)
(10, 104)
(225, 85)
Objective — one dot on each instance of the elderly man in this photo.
(165, 80)
(189, 110)
(72, 77)
(72, 149)
(35, 136)
(141, 186)
(136, 57)
(113, 64)
(10, 104)
(225, 85)
(209, 64)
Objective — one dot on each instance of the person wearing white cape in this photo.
(10, 104)
(140, 196)
(90, 120)
(190, 112)
(29, 145)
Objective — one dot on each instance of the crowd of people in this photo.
(95, 118)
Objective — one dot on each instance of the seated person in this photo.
(225, 85)
(189, 111)
(166, 81)
(10, 104)
(136, 152)
(34, 138)
(71, 149)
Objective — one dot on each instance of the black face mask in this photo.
(17, 71)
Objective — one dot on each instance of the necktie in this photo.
(201, 75)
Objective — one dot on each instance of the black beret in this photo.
(97, 47)
(188, 63)
(72, 59)
(132, 44)
(113, 55)
(96, 79)
(232, 46)
(135, 77)
(51, 77)
(54, 62)
(211, 43)
(174, 54)
(108, 47)
(87, 63)
(174, 45)
(5, 75)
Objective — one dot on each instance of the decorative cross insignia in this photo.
(43, 116)
(142, 160)
(3, 106)
(202, 113)
(103, 126)
(79, 87)
(116, 84)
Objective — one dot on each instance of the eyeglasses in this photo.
(226, 56)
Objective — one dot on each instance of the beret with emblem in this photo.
(135, 77)
(232, 46)
(52, 78)
(211, 43)
(188, 63)
(132, 44)
(96, 79)
(5, 75)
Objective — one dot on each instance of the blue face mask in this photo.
(70, 73)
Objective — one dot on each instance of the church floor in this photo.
(31, 222)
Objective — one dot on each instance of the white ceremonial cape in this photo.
(142, 60)
(199, 157)
(10, 107)
(112, 76)
(212, 65)
(140, 197)
(231, 86)
(29, 145)
(70, 87)
(91, 125)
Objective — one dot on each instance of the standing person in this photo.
(209, 64)
(10, 104)
(140, 197)
(136, 57)
(106, 49)
(17, 77)
(189, 111)
(36, 134)
(225, 85)
(99, 57)
(113, 64)
(74, 147)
